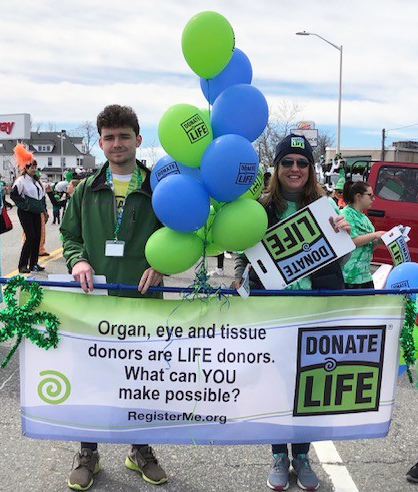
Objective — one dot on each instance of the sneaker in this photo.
(412, 474)
(307, 479)
(24, 270)
(37, 268)
(87, 463)
(143, 461)
(227, 255)
(44, 254)
(278, 478)
(218, 272)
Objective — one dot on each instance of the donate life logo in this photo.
(297, 246)
(55, 388)
(195, 128)
(399, 251)
(339, 370)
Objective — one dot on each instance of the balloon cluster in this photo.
(205, 189)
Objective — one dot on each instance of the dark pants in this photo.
(220, 260)
(56, 215)
(93, 445)
(296, 449)
(31, 224)
(366, 285)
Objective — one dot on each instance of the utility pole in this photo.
(382, 155)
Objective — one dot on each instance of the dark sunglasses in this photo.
(288, 163)
(28, 166)
(371, 195)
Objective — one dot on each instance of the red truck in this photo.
(395, 185)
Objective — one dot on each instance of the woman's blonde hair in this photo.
(311, 191)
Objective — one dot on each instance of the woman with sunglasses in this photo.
(292, 186)
(359, 198)
(29, 196)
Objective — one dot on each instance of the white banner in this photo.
(261, 370)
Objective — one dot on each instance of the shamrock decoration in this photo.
(19, 321)
(407, 339)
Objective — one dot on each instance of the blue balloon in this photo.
(240, 109)
(166, 166)
(404, 275)
(238, 71)
(229, 167)
(181, 203)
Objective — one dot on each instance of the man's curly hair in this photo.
(116, 116)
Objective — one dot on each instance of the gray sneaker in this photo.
(278, 478)
(307, 479)
(85, 465)
(144, 461)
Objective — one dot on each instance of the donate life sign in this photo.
(395, 241)
(265, 370)
(299, 245)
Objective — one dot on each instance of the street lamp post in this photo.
(340, 49)
(61, 136)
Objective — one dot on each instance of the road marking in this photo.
(332, 464)
(8, 379)
(43, 260)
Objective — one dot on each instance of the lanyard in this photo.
(134, 183)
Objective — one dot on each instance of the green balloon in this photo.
(257, 187)
(171, 252)
(239, 225)
(208, 43)
(205, 234)
(184, 133)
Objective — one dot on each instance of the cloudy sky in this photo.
(62, 62)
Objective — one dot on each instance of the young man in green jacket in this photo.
(105, 228)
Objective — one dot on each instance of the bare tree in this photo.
(324, 140)
(36, 126)
(151, 151)
(281, 120)
(87, 130)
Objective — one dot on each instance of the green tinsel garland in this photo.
(19, 320)
(407, 339)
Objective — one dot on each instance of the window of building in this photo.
(399, 184)
(49, 161)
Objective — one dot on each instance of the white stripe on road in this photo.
(332, 464)
(8, 379)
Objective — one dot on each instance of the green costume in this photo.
(357, 268)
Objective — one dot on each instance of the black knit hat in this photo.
(293, 144)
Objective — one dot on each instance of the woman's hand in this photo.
(236, 284)
(340, 223)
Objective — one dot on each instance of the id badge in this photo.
(114, 248)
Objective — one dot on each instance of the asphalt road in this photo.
(42, 466)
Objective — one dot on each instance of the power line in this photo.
(402, 127)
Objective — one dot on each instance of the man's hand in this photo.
(83, 273)
(48, 188)
(150, 278)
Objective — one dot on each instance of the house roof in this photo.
(46, 138)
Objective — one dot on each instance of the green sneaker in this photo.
(143, 461)
(87, 463)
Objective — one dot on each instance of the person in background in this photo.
(3, 192)
(29, 196)
(359, 198)
(89, 230)
(337, 194)
(292, 186)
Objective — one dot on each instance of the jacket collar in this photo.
(99, 181)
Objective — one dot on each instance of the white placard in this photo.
(299, 245)
(395, 241)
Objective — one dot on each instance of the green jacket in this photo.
(89, 221)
